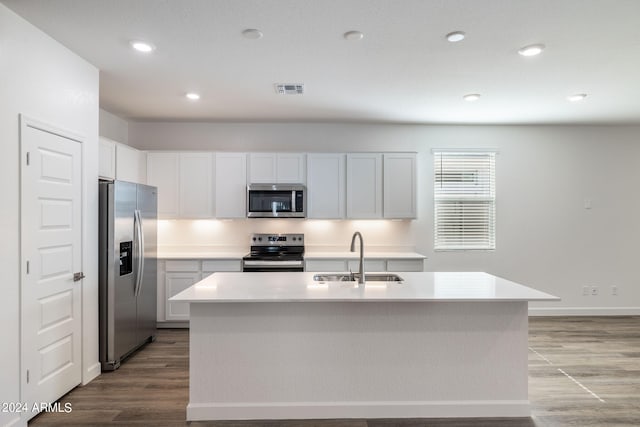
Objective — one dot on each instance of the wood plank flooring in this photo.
(583, 371)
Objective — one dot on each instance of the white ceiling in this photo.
(403, 70)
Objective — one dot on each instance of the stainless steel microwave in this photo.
(276, 201)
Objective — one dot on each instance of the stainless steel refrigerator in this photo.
(127, 269)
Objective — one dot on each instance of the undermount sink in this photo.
(346, 277)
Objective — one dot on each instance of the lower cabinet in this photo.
(340, 265)
(175, 276)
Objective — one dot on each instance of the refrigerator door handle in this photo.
(140, 247)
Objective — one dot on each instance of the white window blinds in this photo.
(464, 193)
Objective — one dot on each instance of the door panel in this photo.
(124, 305)
(147, 298)
(51, 242)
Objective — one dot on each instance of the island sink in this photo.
(351, 277)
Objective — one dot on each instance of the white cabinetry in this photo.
(119, 161)
(131, 164)
(195, 181)
(370, 265)
(277, 168)
(107, 159)
(174, 276)
(185, 183)
(162, 172)
(364, 185)
(326, 185)
(400, 184)
(231, 185)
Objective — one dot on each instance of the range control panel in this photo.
(276, 240)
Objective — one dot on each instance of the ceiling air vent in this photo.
(289, 88)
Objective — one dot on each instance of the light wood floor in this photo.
(583, 371)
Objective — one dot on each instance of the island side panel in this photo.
(279, 360)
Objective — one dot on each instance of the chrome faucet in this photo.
(353, 249)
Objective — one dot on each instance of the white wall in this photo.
(45, 81)
(545, 238)
(113, 127)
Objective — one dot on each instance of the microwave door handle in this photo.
(293, 201)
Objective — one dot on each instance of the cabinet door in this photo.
(231, 185)
(370, 265)
(364, 186)
(175, 283)
(107, 159)
(196, 185)
(291, 168)
(262, 168)
(326, 265)
(162, 172)
(326, 185)
(400, 184)
(405, 265)
(128, 161)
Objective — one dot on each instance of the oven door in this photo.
(255, 265)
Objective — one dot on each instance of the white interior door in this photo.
(51, 252)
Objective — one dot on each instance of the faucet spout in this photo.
(353, 249)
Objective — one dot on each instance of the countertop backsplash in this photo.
(320, 235)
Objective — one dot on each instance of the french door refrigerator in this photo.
(127, 269)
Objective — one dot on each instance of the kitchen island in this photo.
(283, 346)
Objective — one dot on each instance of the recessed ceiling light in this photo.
(531, 50)
(141, 46)
(577, 97)
(456, 36)
(353, 35)
(193, 96)
(471, 97)
(252, 34)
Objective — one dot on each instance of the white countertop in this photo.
(298, 287)
(232, 254)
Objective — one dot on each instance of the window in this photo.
(464, 200)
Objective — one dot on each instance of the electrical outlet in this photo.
(614, 290)
(594, 290)
(585, 290)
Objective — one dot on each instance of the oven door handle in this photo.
(273, 263)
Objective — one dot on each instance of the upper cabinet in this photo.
(399, 188)
(120, 161)
(326, 185)
(131, 164)
(231, 185)
(185, 183)
(107, 159)
(162, 172)
(195, 185)
(364, 185)
(352, 186)
(267, 168)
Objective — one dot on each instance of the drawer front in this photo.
(369, 265)
(211, 266)
(186, 265)
(405, 265)
(329, 265)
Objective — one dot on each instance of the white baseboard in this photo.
(584, 311)
(325, 410)
(173, 325)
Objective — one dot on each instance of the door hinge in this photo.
(27, 376)
(28, 158)
(78, 276)
(27, 267)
